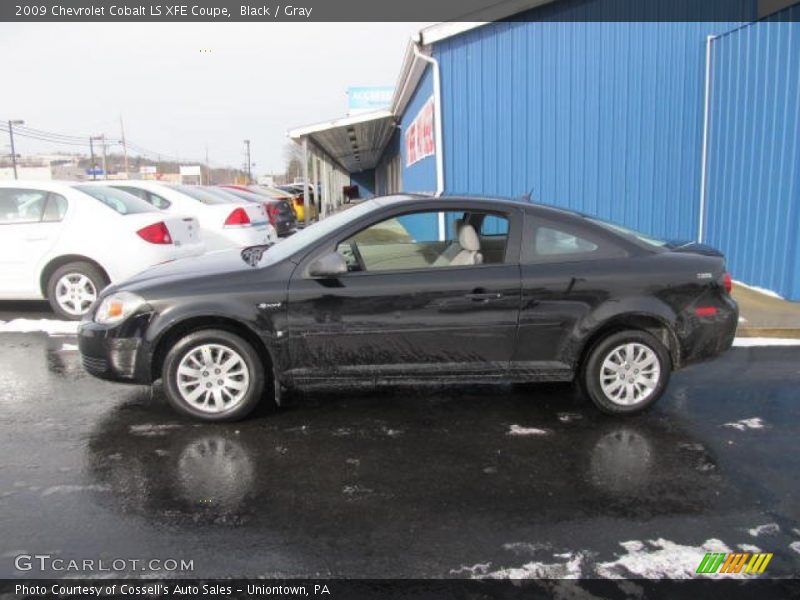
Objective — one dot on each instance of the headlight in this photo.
(116, 307)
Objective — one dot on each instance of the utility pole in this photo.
(124, 145)
(91, 151)
(11, 124)
(247, 152)
(105, 167)
(208, 170)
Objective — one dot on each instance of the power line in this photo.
(83, 142)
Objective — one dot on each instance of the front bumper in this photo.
(116, 353)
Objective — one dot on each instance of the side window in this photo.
(493, 226)
(55, 208)
(157, 201)
(149, 197)
(554, 242)
(21, 206)
(423, 240)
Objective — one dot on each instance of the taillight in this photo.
(272, 212)
(237, 217)
(157, 233)
(727, 282)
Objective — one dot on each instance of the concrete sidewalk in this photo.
(765, 315)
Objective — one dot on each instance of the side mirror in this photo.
(330, 265)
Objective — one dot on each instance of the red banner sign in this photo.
(420, 142)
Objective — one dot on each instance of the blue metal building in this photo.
(685, 129)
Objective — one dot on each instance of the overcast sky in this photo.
(255, 80)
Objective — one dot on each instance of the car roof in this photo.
(543, 209)
(50, 185)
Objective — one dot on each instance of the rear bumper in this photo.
(116, 353)
(285, 226)
(704, 338)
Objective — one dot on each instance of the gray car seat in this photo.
(470, 253)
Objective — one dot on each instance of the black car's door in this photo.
(414, 302)
(567, 271)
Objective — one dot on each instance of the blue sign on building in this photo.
(368, 98)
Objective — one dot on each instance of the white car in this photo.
(66, 241)
(224, 223)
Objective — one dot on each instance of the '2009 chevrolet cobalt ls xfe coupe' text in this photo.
(409, 289)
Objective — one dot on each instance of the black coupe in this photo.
(414, 289)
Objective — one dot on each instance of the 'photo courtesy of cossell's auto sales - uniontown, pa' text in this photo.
(379, 300)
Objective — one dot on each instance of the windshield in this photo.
(629, 232)
(122, 202)
(205, 196)
(312, 233)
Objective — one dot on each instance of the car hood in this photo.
(692, 248)
(223, 262)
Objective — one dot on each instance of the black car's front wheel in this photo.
(213, 375)
(626, 372)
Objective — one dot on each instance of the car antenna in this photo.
(526, 197)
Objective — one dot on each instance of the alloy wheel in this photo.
(75, 293)
(630, 374)
(213, 378)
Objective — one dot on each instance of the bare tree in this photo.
(293, 157)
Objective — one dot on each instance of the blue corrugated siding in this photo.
(753, 190)
(421, 176)
(602, 117)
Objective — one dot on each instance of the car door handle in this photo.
(34, 238)
(480, 296)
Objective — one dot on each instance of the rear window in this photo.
(628, 232)
(117, 200)
(202, 195)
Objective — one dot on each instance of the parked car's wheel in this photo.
(626, 372)
(73, 288)
(213, 375)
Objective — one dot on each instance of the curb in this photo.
(769, 332)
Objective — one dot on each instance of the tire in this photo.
(73, 288)
(196, 391)
(617, 393)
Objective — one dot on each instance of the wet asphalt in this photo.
(423, 482)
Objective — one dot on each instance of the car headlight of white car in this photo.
(116, 307)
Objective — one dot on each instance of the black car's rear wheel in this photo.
(213, 375)
(626, 372)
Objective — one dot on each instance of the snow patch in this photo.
(392, 432)
(760, 290)
(749, 342)
(68, 489)
(568, 417)
(474, 571)
(519, 430)
(568, 568)
(659, 559)
(356, 490)
(48, 326)
(69, 348)
(767, 529)
(744, 424)
(748, 548)
(795, 546)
